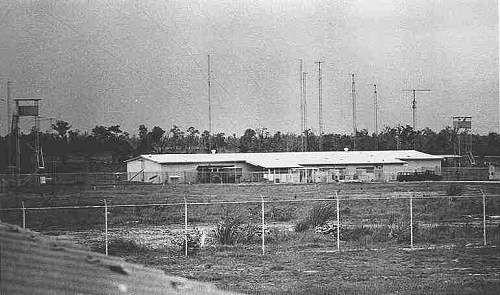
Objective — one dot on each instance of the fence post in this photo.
(106, 227)
(411, 220)
(338, 222)
(185, 227)
(24, 214)
(263, 224)
(484, 217)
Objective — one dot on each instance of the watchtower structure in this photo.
(27, 107)
(462, 126)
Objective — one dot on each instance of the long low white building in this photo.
(285, 167)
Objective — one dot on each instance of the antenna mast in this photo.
(9, 129)
(304, 95)
(355, 129)
(375, 107)
(320, 107)
(209, 98)
(301, 90)
(414, 104)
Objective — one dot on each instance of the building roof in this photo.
(35, 264)
(296, 159)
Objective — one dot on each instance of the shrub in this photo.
(317, 216)
(228, 230)
(301, 226)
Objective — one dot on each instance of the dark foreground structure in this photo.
(31, 263)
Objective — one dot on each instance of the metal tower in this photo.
(414, 104)
(354, 126)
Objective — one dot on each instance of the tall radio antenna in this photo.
(320, 107)
(355, 128)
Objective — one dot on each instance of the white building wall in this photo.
(144, 170)
(186, 172)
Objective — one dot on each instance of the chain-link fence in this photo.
(310, 221)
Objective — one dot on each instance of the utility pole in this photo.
(355, 129)
(414, 104)
(304, 95)
(320, 107)
(301, 90)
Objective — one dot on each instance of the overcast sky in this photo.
(145, 62)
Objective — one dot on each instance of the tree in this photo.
(156, 139)
(61, 127)
(192, 139)
(248, 142)
(176, 139)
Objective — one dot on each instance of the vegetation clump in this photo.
(318, 215)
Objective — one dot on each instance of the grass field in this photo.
(374, 234)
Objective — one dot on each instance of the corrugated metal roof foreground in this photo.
(35, 264)
(296, 159)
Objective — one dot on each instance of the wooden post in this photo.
(411, 220)
(263, 224)
(106, 226)
(338, 222)
(24, 214)
(185, 227)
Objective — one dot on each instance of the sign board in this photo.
(27, 110)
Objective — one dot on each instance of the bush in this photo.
(317, 216)
(228, 230)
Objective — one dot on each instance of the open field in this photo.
(456, 271)
(374, 234)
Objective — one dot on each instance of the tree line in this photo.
(62, 143)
